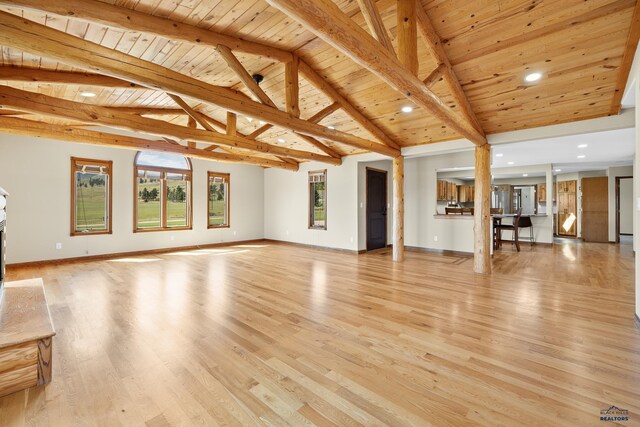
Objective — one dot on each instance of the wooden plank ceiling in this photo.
(578, 46)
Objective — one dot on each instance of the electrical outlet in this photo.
(286, 232)
(58, 246)
(172, 238)
(435, 238)
(351, 239)
(235, 232)
(361, 205)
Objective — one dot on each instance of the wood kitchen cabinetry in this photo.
(447, 191)
(542, 193)
(466, 193)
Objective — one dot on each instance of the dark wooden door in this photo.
(567, 208)
(595, 209)
(376, 209)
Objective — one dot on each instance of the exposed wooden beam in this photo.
(194, 118)
(55, 107)
(407, 34)
(325, 112)
(103, 13)
(32, 128)
(435, 75)
(232, 124)
(398, 209)
(38, 39)
(434, 46)
(256, 133)
(627, 61)
(37, 75)
(323, 86)
(192, 124)
(244, 75)
(292, 87)
(316, 118)
(374, 22)
(482, 211)
(149, 111)
(322, 17)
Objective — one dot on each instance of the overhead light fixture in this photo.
(499, 155)
(87, 94)
(331, 127)
(281, 141)
(583, 146)
(525, 174)
(250, 119)
(262, 122)
(581, 156)
(407, 109)
(509, 163)
(557, 170)
(533, 77)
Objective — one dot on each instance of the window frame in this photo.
(109, 223)
(226, 176)
(312, 200)
(163, 194)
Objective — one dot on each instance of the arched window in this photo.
(162, 192)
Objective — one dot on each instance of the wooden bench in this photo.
(26, 333)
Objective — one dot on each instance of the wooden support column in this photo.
(398, 209)
(408, 35)
(482, 214)
(292, 86)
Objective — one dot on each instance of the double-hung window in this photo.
(218, 199)
(90, 196)
(318, 200)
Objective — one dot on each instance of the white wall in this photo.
(286, 210)
(626, 206)
(36, 173)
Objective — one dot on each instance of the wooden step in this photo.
(26, 332)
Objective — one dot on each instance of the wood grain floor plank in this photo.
(277, 334)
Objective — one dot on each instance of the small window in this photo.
(318, 199)
(218, 199)
(90, 196)
(162, 192)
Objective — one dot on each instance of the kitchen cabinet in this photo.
(447, 191)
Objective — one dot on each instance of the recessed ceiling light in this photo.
(281, 141)
(558, 170)
(250, 119)
(407, 109)
(331, 127)
(525, 174)
(509, 163)
(262, 122)
(87, 94)
(533, 77)
(582, 146)
(581, 156)
(499, 155)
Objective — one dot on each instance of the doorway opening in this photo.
(376, 209)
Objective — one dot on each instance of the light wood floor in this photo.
(274, 334)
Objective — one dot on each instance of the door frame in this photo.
(366, 206)
(617, 190)
(557, 215)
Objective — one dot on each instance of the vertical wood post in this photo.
(192, 124)
(398, 209)
(407, 35)
(482, 211)
(232, 121)
(291, 86)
